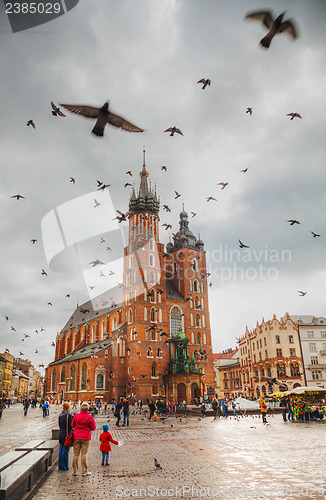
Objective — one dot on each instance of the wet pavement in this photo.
(206, 458)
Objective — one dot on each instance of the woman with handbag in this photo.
(65, 419)
(82, 423)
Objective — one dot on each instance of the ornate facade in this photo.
(150, 336)
(270, 352)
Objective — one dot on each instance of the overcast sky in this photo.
(146, 57)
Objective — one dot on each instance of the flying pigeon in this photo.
(242, 245)
(301, 293)
(97, 204)
(223, 184)
(104, 186)
(275, 26)
(73, 180)
(244, 170)
(173, 130)
(102, 116)
(129, 173)
(164, 168)
(211, 198)
(293, 221)
(30, 122)
(44, 273)
(294, 115)
(177, 195)
(33, 241)
(17, 196)
(193, 214)
(204, 82)
(167, 226)
(166, 208)
(56, 111)
(12, 328)
(127, 184)
(249, 110)
(52, 344)
(96, 263)
(315, 235)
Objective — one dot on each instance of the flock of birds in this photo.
(103, 116)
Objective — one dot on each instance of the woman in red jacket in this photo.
(82, 423)
(105, 446)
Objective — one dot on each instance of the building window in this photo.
(174, 267)
(130, 316)
(192, 337)
(196, 289)
(280, 370)
(194, 265)
(314, 360)
(316, 375)
(198, 338)
(257, 344)
(269, 371)
(254, 358)
(159, 353)
(264, 340)
(99, 381)
(83, 377)
(312, 347)
(197, 302)
(154, 370)
(153, 334)
(151, 244)
(291, 340)
(175, 320)
(294, 368)
(260, 356)
(153, 315)
(63, 374)
(310, 335)
(197, 321)
(72, 377)
(266, 355)
(151, 260)
(154, 389)
(54, 375)
(260, 344)
(145, 313)
(323, 335)
(292, 353)
(278, 353)
(149, 353)
(152, 295)
(204, 339)
(151, 278)
(277, 338)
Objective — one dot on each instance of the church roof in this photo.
(172, 292)
(84, 352)
(185, 237)
(105, 303)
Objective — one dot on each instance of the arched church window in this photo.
(192, 337)
(153, 315)
(174, 267)
(151, 260)
(152, 278)
(72, 377)
(195, 284)
(63, 374)
(83, 377)
(175, 320)
(154, 370)
(54, 376)
(198, 338)
(130, 316)
(197, 321)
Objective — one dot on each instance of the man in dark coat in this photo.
(65, 419)
(125, 407)
(152, 409)
(117, 413)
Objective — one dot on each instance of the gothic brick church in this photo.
(149, 337)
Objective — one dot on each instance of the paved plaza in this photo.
(206, 458)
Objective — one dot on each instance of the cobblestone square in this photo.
(200, 458)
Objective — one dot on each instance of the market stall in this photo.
(308, 402)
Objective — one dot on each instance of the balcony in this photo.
(317, 366)
(322, 353)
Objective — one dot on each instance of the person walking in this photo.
(26, 406)
(290, 410)
(224, 408)
(2, 407)
(65, 419)
(82, 423)
(117, 413)
(215, 406)
(105, 446)
(263, 409)
(283, 405)
(203, 410)
(152, 409)
(125, 410)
